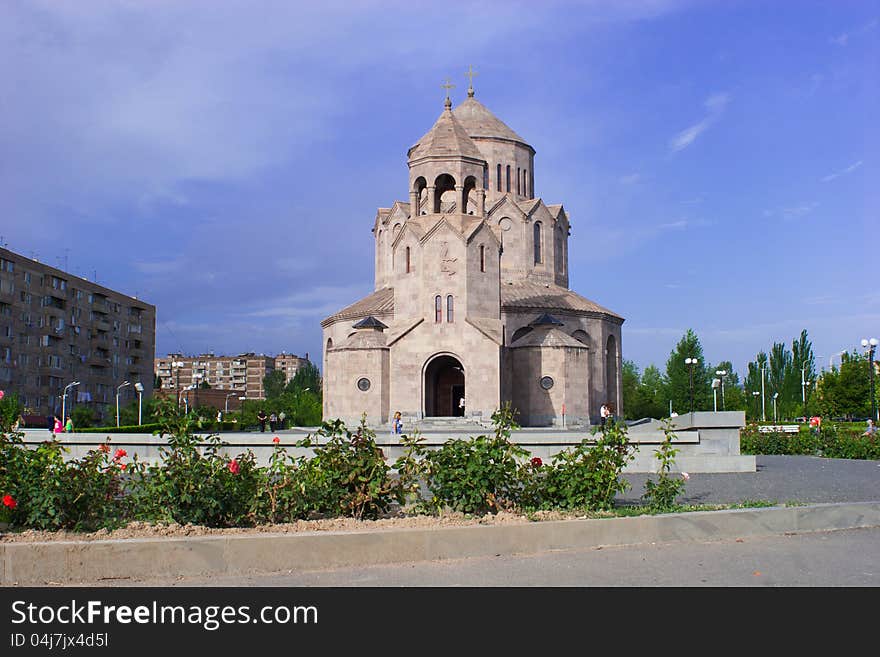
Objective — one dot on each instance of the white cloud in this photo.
(849, 169)
(843, 38)
(715, 105)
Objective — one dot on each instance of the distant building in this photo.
(57, 328)
(243, 373)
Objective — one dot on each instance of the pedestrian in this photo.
(461, 405)
(815, 424)
(68, 426)
(603, 414)
(273, 421)
(871, 430)
(397, 423)
(281, 417)
(57, 427)
(219, 420)
(261, 418)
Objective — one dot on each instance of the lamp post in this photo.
(715, 384)
(775, 415)
(871, 345)
(755, 394)
(721, 374)
(690, 362)
(70, 385)
(197, 380)
(118, 388)
(140, 391)
(763, 406)
(231, 394)
(804, 384)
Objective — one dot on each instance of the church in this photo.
(471, 306)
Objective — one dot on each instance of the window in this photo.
(408, 262)
(517, 180)
(537, 238)
(449, 309)
(508, 177)
(438, 309)
(7, 265)
(525, 183)
(363, 384)
(486, 178)
(498, 179)
(482, 258)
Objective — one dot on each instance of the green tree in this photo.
(654, 391)
(306, 377)
(273, 384)
(846, 392)
(630, 390)
(678, 376)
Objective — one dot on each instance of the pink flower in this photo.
(536, 462)
(234, 467)
(8, 500)
(2, 394)
(276, 440)
(119, 454)
(685, 476)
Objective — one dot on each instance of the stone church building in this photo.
(471, 295)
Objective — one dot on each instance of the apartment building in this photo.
(65, 340)
(243, 373)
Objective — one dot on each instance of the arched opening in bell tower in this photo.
(444, 387)
(444, 183)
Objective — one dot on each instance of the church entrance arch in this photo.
(444, 386)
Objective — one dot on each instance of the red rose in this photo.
(234, 467)
(105, 448)
(537, 462)
(276, 440)
(9, 501)
(119, 454)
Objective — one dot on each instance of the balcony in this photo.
(102, 325)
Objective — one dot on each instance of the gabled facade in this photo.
(471, 295)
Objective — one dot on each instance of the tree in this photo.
(306, 377)
(654, 391)
(846, 392)
(630, 390)
(273, 384)
(678, 375)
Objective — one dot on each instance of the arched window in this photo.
(518, 186)
(408, 261)
(486, 178)
(482, 258)
(537, 238)
(525, 182)
(508, 177)
(438, 309)
(498, 179)
(558, 251)
(449, 310)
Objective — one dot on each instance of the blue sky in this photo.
(224, 160)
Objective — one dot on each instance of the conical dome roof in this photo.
(478, 121)
(447, 137)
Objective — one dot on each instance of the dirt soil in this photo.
(399, 521)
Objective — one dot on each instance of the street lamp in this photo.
(690, 362)
(775, 415)
(140, 391)
(804, 384)
(118, 388)
(721, 374)
(64, 399)
(871, 345)
(755, 394)
(763, 406)
(715, 384)
(231, 394)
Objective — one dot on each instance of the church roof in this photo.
(552, 338)
(447, 137)
(480, 122)
(539, 296)
(370, 322)
(545, 319)
(380, 302)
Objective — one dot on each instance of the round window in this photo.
(363, 384)
(547, 382)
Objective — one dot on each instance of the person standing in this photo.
(397, 423)
(57, 427)
(871, 430)
(261, 418)
(281, 417)
(604, 412)
(273, 421)
(68, 426)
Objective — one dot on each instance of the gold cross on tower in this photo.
(471, 74)
(447, 86)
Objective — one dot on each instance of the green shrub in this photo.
(479, 474)
(660, 496)
(588, 475)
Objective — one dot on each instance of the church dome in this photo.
(446, 138)
(479, 122)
